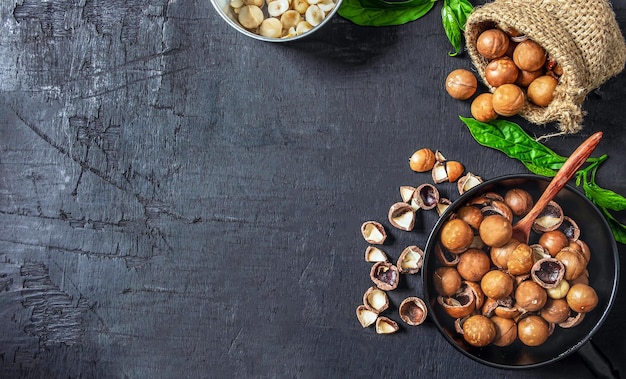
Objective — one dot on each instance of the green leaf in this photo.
(511, 139)
(604, 198)
(461, 10)
(380, 13)
(618, 229)
(452, 28)
(539, 170)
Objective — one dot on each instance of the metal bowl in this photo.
(603, 277)
(226, 12)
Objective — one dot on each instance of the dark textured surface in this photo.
(177, 200)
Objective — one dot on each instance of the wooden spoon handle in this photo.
(565, 173)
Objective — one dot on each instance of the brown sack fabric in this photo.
(581, 35)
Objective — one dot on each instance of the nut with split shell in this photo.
(447, 171)
(373, 232)
(574, 262)
(460, 304)
(468, 182)
(498, 207)
(413, 311)
(402, 216)
(410, 260)
(555, 311)
(385, 275)
(506, 331)
(549, 219)
(548, 272)
(442, 205)
(445, 257)
(425, 196)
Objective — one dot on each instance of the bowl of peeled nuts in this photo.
(512, 304)
(276, 20)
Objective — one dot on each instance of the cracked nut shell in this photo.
(373, 232)
(376, 299)
(402, 216)
(410, 260)
(413, 311)
(385, 275)
(385, 325)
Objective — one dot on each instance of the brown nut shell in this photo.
(482, 108)
(496, 284)
(548, 272)
(521, 260)
(460, 304)
(410, 260)
(529, 56)
(413, 311)
(374, 254)
(471, 215)
(401, 216)
(422, 160)
(500, 254)
(376, 299)
(530, 296)
(533, 330)
(541, 90)
(508, 100)
(478, 330)
(506, 331)
(456, 236)
(461, 84)
(446, 281)
(425, 196)
(574, 262)
(473, 265)
(555, 311)
(582, 298)
(385, 275)
(385, 325)
(553, 241)
(492, 43)
(445, 257)
(373, 232)
(495, 230)
(366, 316)
(549, 219)
(501, 71)
(519, 201)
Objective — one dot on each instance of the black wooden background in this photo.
(180, 201)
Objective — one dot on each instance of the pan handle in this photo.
(597, 362)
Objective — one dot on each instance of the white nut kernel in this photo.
(326, 5)
(235, 4)
(258, 3)
(277, 7)
(290, 19)
(271, 28)
(300, 6)
(303, 27)
(314, 15)
(250, 16)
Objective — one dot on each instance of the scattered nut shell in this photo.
(367, 317)
(385, 325)
(442, 205)
(402, 216)
(439, 172)
(425, 196)
(410, 260)
(374, 254)
(373, 232)
(406, 193)
(413, 311)
(549, 219)
(375, 299)
(385, 275)
(467, 182)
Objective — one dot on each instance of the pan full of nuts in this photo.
(276, 20)
(512, 304)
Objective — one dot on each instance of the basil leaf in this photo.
(604, 198)
(511, 139)
(461, 10)
(452, 28)
(380, 13)
(539, 170)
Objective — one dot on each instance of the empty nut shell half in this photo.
(406, 193)
(402, 216)
(375, 299)
(410, 260)
(573, 320)
(460, 304)
(373, 232)
(366, 316)
(445, 257)
(570, 228)
(385, 325)
(413, 311)
(385, 275)
(425, 196)
(547, 272)
(442, 205)
(468, 182)
(374, 254)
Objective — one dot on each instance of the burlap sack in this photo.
(582, 35)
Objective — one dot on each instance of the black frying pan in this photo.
(603, 277)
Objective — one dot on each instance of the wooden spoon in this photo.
(521, 230)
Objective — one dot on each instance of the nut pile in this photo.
(386, 275)
(518, 69)
(500, 290)
(281, 18)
